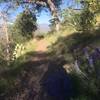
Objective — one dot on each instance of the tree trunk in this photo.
(7, 41)
(5, 30)
(54, 13)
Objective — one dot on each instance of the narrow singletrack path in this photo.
(41, 46)
(28, 82)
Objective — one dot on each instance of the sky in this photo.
(44, 17)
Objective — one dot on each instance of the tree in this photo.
(71, 18)
(83, 18)
(25, 24)
(88, 14)
(52, 5)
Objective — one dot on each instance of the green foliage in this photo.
(83, 18)
(92, 5)
(1, 50)
(22, 49)
(71, 18)
(81, 98)
(80, 20)
(25, 24)
(86, 88)
(19, 50)
(3, 53)
(76, 40)
(88, 14)
(3, 86)
(87, 20)
(8, 78)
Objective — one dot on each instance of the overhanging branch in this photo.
(42, 3)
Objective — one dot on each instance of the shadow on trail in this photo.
(38, 78)
(56, 84)
(23, 76)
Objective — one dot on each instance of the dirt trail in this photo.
(41, 46)
(29, 80)
(34, 69)
(41, 49)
